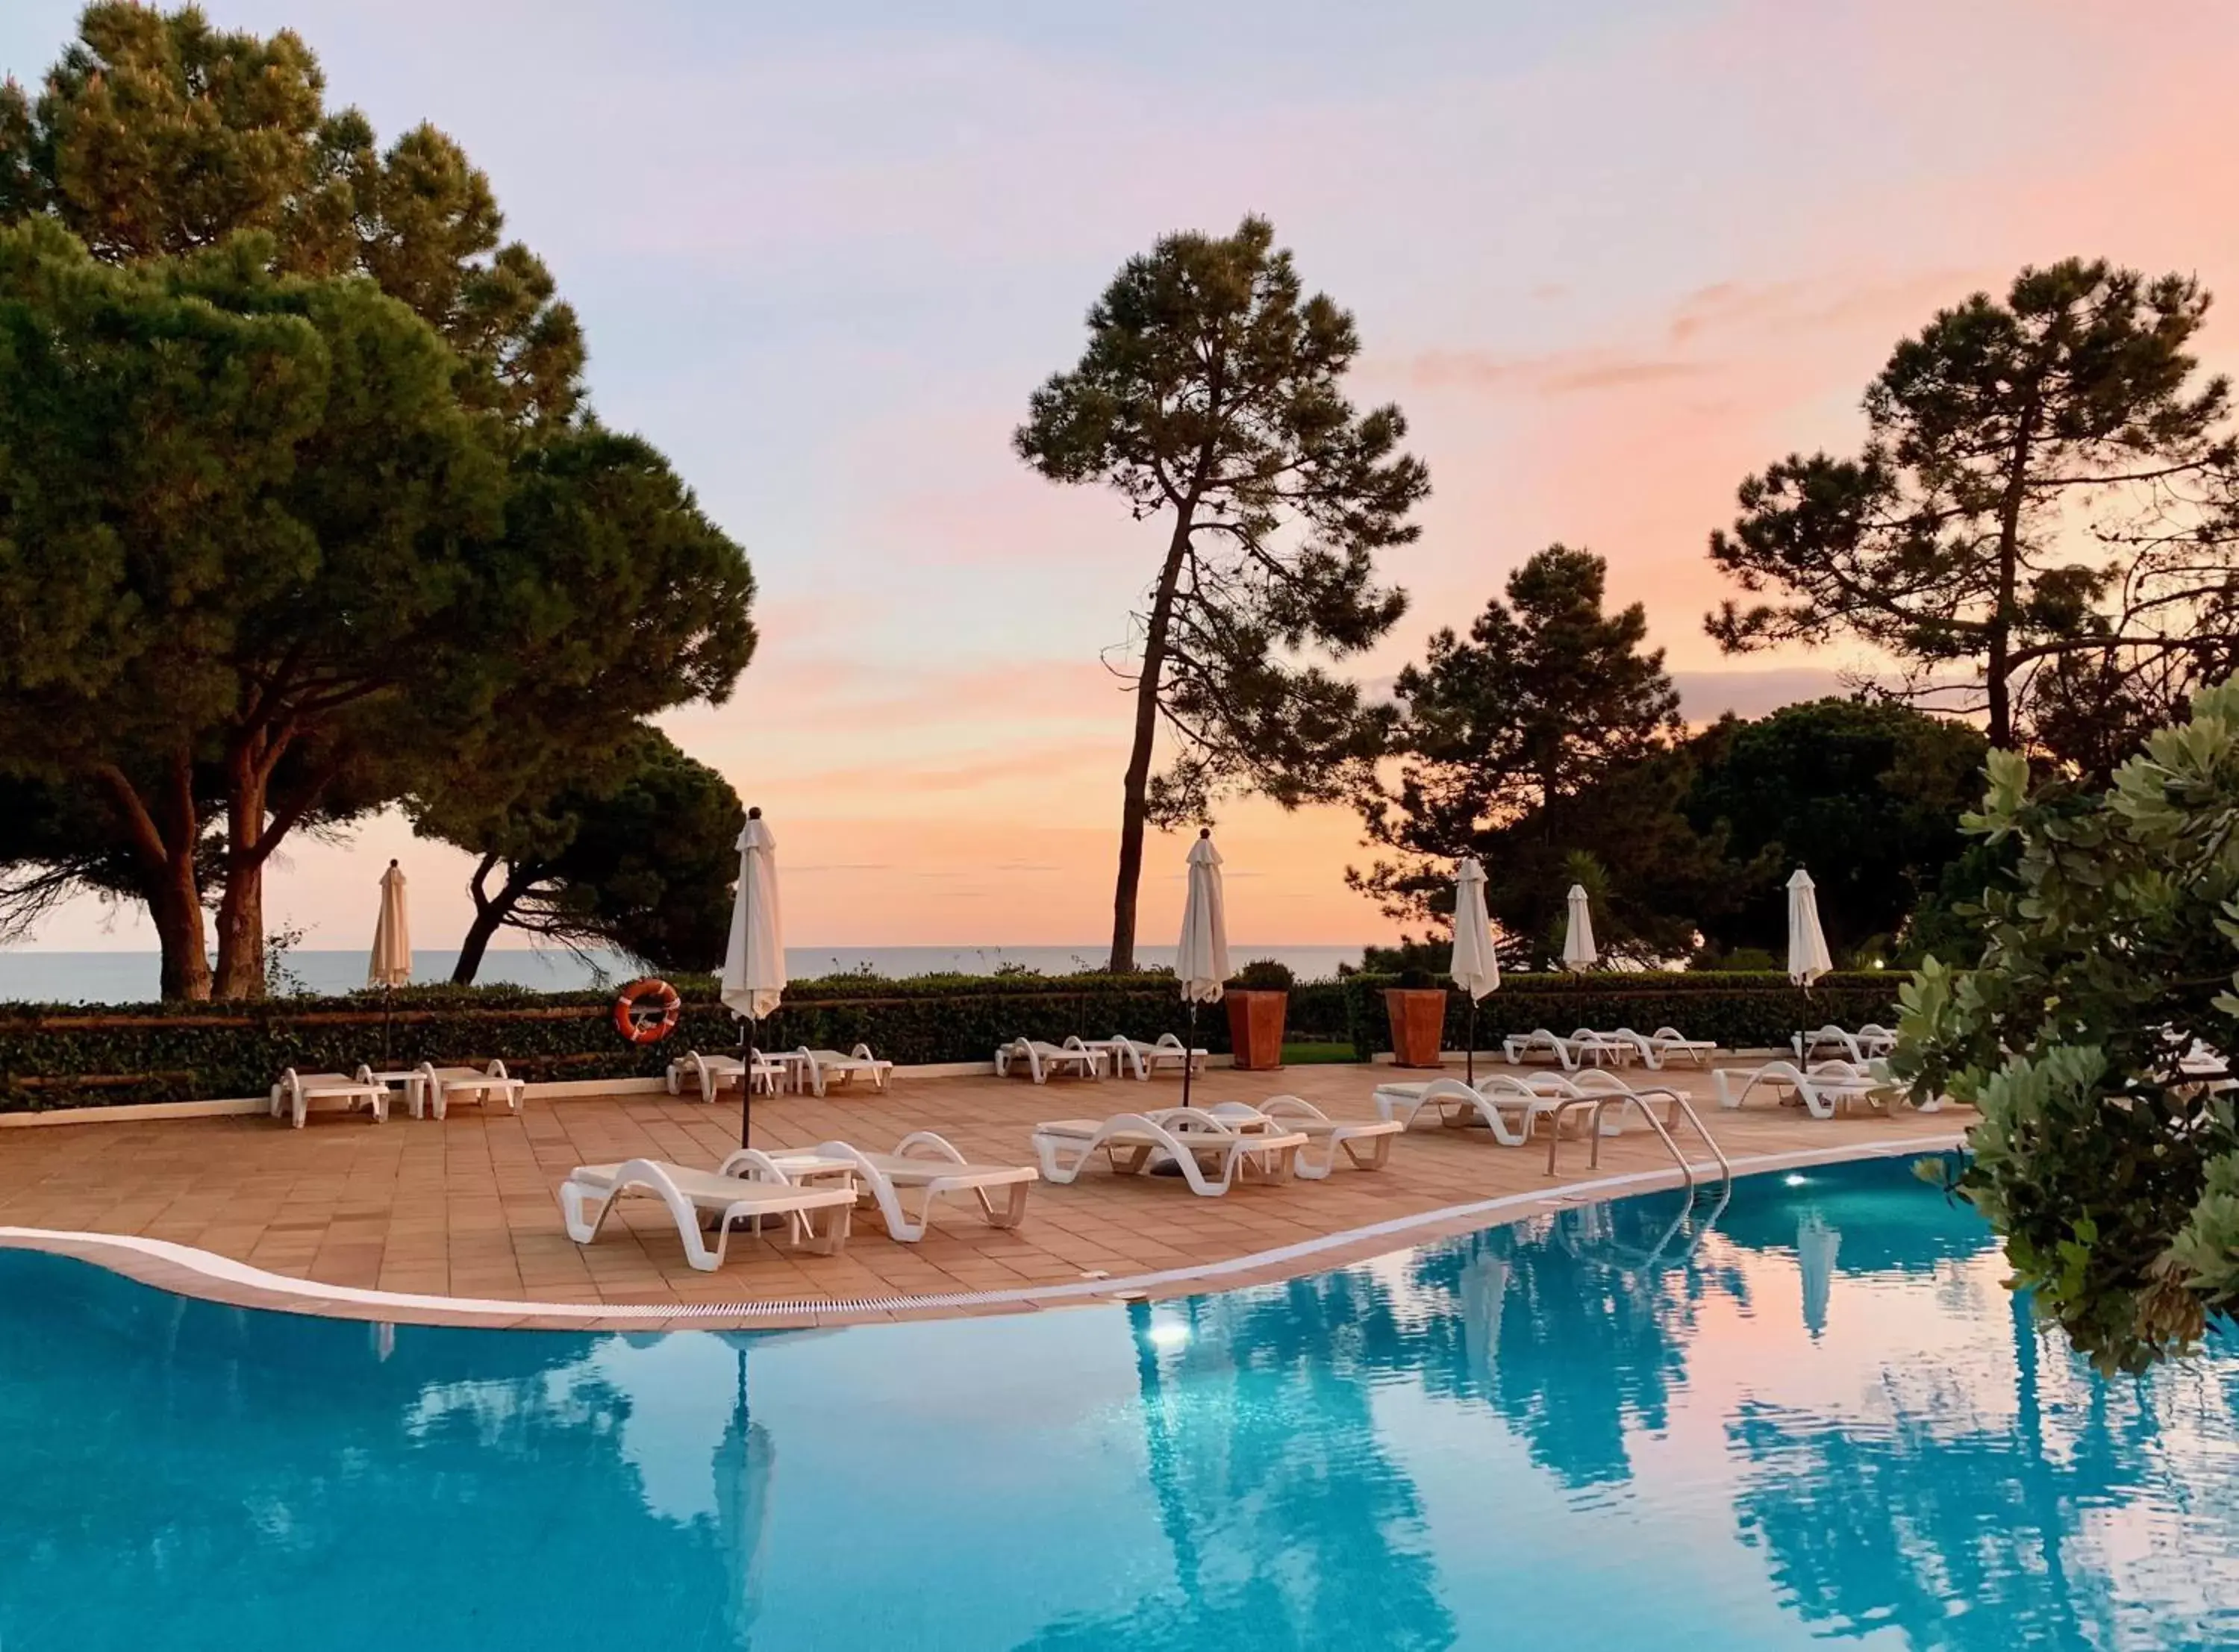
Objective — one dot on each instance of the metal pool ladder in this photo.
(1680, 1105)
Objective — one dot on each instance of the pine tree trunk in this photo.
(175, 905)
(240, 909)
(163, 838)
(491, 914)
(1134, 806)
(1999, 644)
(240, 931)
(486, 925)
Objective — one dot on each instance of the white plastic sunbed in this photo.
(818, 1068)
(1148, 1058)
(1509, 1107)
(438, 1087)
(1041, 1058)
(1212, 1154)
(295, 1092)
(1871, 1040)
(711, 1073)
(1823, 1086)
(1654, 1049)
(930, 1166)
(1331, 1135)
(728, 1194)
(1584, 1045)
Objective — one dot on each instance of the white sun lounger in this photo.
(1519, 1047)
(1871, 1040)
(1584, 1045)
(1511, 1108)
(295, 1092)
(1331, 1135)
(818, 1068)
(1212, 1154)
(710, 1074)
(1823, 1086)
(1665, 1044)
(1148, 1058)
(930, 1166)
(591, 1190)
(438, 1087)
(1041, 1058)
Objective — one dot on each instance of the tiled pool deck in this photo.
(465, 1209)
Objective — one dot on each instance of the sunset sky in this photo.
(1608, 255)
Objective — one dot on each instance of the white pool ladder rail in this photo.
(1680, 1107)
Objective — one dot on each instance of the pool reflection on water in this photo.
(1820, 1416)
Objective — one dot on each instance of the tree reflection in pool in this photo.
(1819, 1415)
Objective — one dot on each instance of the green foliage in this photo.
(157, 136)
(641, 858)
(1264, 975)
(1739, 960)
(1504, 736)
(81, 1056)
(249, 531)
(2110, 949)
(1741, 1012)
(435, 496)
(1951, 541)
(1210, 397)
(91, 1056)
(1429, 953)
(1867, 796)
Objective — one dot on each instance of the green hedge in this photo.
(108, 1055)
(1741, 1012)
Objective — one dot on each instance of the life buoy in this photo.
(645, 1028)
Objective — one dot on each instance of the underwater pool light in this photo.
(1168, 1333)
(1795, 1180)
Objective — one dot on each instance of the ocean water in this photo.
(1810, 1416)
(130, 977)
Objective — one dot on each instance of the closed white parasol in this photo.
(1807, 946)
(1201, 961)
(1476, 967)
(391, 965)
(752, 975)
(1579, 931)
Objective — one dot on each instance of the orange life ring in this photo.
(641, 1028)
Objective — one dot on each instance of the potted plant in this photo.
(1417, 1009)
(1258, 997)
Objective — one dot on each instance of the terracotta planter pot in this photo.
(1255, 1029)
(1418, 1024)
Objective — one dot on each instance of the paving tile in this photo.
(466, 1207)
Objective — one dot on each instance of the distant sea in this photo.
(130, 977)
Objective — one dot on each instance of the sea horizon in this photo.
(39, 976)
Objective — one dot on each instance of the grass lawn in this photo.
(1306, 1055)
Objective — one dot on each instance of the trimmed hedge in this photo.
(107, 1055)
(1741, 1012)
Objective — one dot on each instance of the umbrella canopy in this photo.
(391, 965)
(1579, 932)
(1807, 947)
(1476, 965)
(1202, 960)
(754, 961)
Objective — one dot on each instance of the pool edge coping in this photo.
(189, 1271)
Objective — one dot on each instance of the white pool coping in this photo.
(227, 1270)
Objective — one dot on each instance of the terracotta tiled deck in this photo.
(465, 1208)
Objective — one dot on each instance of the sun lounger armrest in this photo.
(929, 1145)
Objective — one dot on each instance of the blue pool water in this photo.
(1825, 1420)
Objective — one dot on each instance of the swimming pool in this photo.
(1822, 1417)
